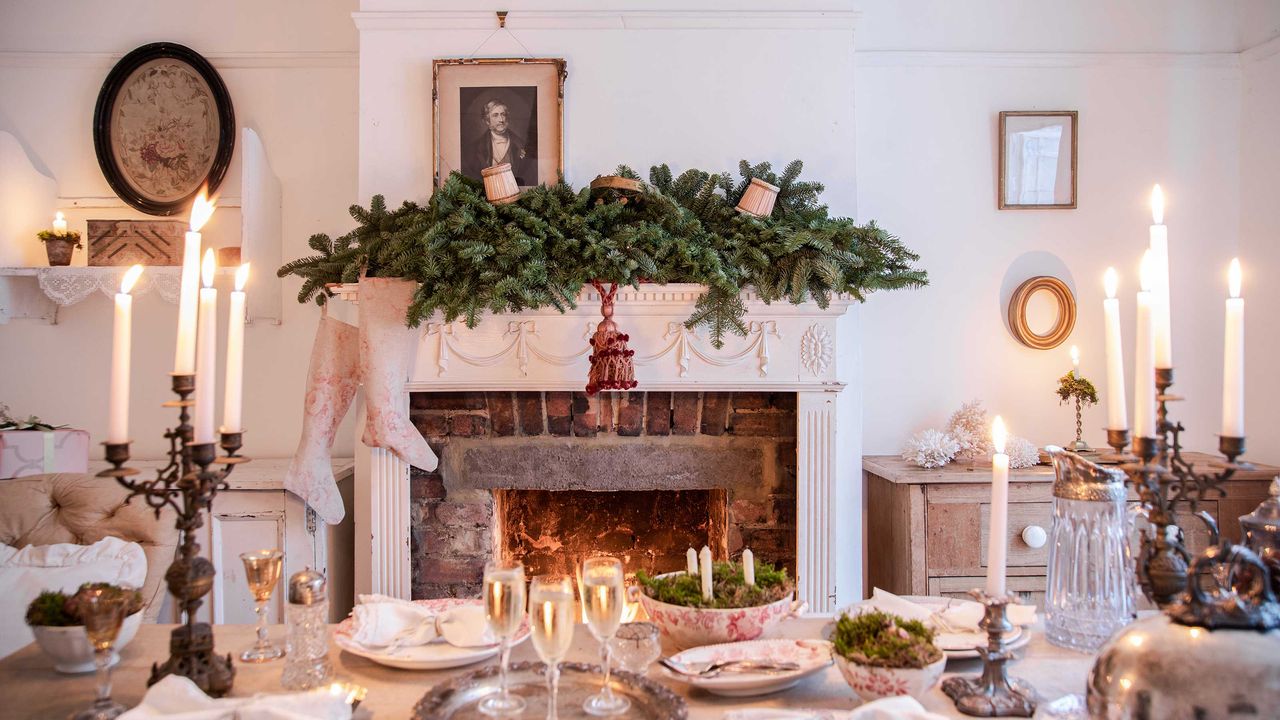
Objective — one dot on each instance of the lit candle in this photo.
(184, 360)
(60, 225)
(1161, 314)
(235, 356)
(998, 527)
(704, 563)
(1075, 362)
(206, 352)
(691, 559)
(1117, 414)
(748, 567)
(1144, 366)
(1233, 358)
(118, 408)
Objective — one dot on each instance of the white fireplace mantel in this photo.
(788, 348)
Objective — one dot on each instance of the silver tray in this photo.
(457, 698)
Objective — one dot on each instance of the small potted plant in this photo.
(60, 246)
(737, 611)
(54, 618)
(880, 655)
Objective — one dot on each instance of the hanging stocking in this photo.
(611, 365)
(331, 384)
(386, 346)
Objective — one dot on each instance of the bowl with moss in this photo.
(55, 621)
(881, 655)
(735, 612)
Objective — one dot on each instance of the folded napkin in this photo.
(961, 615)
(892, 708)
(177, 698)
(379, 621)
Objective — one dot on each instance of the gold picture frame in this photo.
(511, 109)
(1064, 322)
(1031, 167)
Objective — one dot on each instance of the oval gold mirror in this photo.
(1042, 312)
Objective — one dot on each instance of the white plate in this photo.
(811, 655)
(432, 656)
(959, 646)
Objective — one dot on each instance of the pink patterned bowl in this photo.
(688, 627)
(873, 683)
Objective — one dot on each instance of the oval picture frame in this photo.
(1062, 327)
(163, 127)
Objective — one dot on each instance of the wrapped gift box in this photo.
(35, 452)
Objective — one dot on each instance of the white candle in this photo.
(121, 341)
(60, 224)
(1161, 313)
(184, 360)
(1117, 414)
(231, 406)
(704, 563)
(1144, 365)
(691, 559)
(998, 527)
(1075, 362)
(748, 567)
(1233, 358)
(206, 352)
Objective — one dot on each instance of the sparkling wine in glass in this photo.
(262, 573)
(604, 597)
(504, 611)
(103, 611)
(551, 605)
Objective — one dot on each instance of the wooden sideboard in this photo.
(927, 528)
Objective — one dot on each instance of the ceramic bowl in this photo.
(688, 627)
(69, 646)
(873, 683)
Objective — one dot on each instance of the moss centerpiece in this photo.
(880, 655)
(735, 612)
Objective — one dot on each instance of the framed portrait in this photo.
(490, 111)
(163, 128)
(1038, 159)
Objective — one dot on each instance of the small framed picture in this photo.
(490, 111)
(1038, 159)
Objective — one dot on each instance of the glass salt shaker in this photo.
(306, 661)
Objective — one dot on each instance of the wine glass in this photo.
(603, 598)
(551, 605)
(504, 611)
(262, 572)
(103, 611)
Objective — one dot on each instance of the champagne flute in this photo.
(604, 597)
(551, 606)
(504, 611)
(103, 611)
(262, 573)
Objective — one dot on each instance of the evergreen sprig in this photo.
(1070, 386)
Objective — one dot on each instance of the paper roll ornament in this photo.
(500, 184)
(758, 199)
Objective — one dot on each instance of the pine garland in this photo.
(471, 256)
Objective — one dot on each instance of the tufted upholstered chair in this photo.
(82, 509)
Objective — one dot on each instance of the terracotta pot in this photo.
(60, 251)
(872, 683)
(688, 627)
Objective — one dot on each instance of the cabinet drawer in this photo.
(1021, 517)
(1029, 589)
(957, 533)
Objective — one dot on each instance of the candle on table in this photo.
(1233, 358)
(206, 352)
(231, 406)
(1144, 360)
(998, 526)
(184, 360)
(1161, 315)
(60, 224)
(691, 559)
(704, 572)
(748, 567)
(1075, 362)
(121, 341)
(1117, 414)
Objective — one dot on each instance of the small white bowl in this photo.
(873, 683)
(70, 649)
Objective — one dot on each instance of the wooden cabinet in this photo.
(927, 528)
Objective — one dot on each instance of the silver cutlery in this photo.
(712, 669)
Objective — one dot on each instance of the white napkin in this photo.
(893, 708)
(379, 621)
(177, 698)
(962, 615)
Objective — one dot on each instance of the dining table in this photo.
(31, 688)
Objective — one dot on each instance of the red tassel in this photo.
(612, 367)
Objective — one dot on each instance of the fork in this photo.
(710, 670)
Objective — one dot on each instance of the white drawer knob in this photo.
(1034, 536)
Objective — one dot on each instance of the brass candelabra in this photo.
(187, 484)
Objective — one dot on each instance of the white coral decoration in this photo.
(1022, 452)
(930, 449)
(971, 429)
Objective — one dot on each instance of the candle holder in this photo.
(1118, 440)
(188, 486)
(1079, 445)
(993, 693)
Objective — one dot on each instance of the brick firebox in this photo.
(740, 445)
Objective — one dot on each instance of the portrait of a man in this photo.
(500, 125)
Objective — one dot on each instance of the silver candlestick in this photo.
(993, 693)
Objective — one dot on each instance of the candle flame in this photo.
(130, 277)
(59, 217)
(998, 434)
(1111, 282)
(201, 210)
(1146, 272)
(208, 267)
(1157, 205)
(242, 277)
(1233, 278)
(1075, 355)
